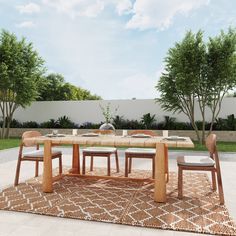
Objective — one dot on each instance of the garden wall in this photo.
(89, 111)
(228, 136)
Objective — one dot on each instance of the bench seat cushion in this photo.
(100, 149)
(40, 153)
(195, 161)
(141, 150)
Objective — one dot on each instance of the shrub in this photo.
(65, 122)
(15, 124)
(30, 124)
(119, 122)
(89, 125)
(49, 124)
(148, 120)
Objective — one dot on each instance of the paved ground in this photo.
(13, 223)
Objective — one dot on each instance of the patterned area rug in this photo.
(125, 202)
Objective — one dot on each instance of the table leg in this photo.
(160, 169)
(47, 167)
(75, 160)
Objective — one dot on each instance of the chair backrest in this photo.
(100, 131)
(211, 144)
(147, 132)
(29, 134)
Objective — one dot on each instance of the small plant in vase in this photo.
(108, 116)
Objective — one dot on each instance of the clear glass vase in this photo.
(107, 126)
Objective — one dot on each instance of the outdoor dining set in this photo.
(137, 144)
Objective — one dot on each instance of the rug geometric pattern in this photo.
(125, 202)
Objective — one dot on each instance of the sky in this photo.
(113, 48)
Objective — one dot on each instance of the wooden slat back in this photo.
(147, 132)
(104, 132)
(211, 144)
(30, 134)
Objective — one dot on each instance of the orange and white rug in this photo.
(125, 202)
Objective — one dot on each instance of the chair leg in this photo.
(109, 165)
(213, 177)
(153, 167)
(180, 183)
(36, 169)
(91, 163)
(220, 187)
(130, 164)
(84, 163)
(17, 172)
(126, 166)
(117, 162)
(60, 165)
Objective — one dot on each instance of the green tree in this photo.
(54, 88)
(50, 87)
(20, 68)
(198, 74)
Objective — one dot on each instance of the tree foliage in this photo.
(198, 74)
(54, 88)
(20, 67)
(23, 80)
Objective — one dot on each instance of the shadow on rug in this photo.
(125, 202)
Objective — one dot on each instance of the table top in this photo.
(115, 141)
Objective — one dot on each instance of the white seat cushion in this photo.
(141, 150)
(195, 161)
(100, 149)
(40, 153)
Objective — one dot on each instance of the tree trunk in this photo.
(203, 130)
(195, 129)
(3, 121)
(12, 108)
(9, 119)
(197, 133)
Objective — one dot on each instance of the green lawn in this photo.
(9, 143)
(222, 146)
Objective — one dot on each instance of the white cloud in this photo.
(159, 14)
(93, 10)
(123, 6)
(29, 8)
(89, 8)
(25, 24)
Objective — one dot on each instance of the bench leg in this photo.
(180, 183)
(126, 166)
(109, 165)
(117, 162)
(84, 163)
(91, 164)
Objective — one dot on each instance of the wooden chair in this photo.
(101, 152)
(35, 155)
(202, 163)
(148, 153)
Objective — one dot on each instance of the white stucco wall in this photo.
(90, 111)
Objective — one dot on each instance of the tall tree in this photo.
(20, 67)
(49, 87)
(198, 74)
(221, 69)
(54, 88)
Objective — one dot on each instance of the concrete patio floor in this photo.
(15, 223)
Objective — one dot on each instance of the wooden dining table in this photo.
(161, 161)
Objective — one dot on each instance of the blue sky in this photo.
(114, 48)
